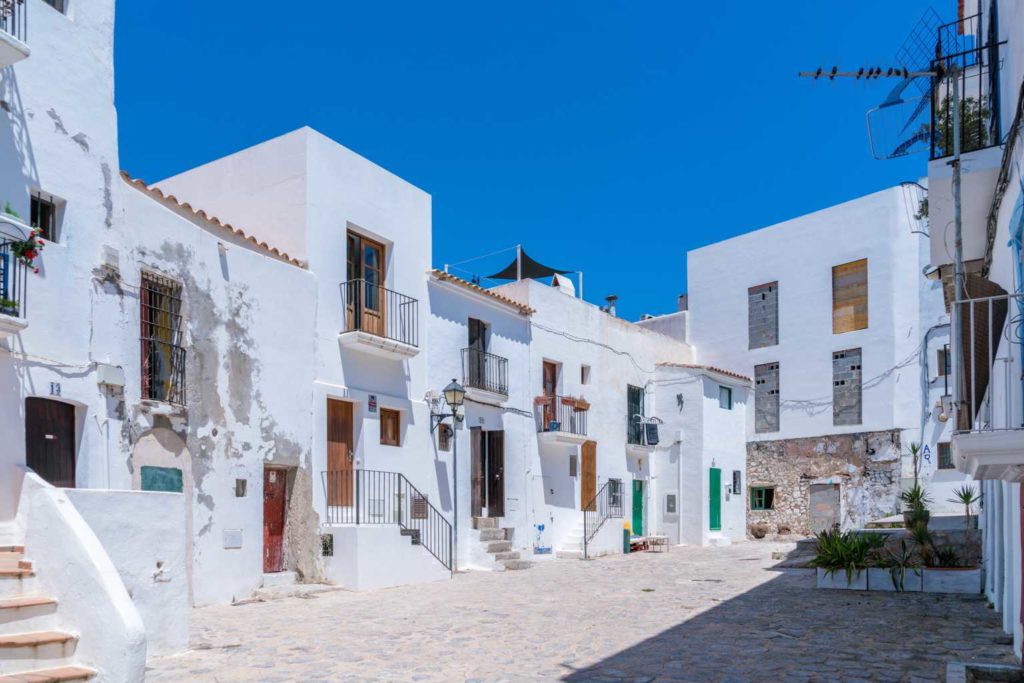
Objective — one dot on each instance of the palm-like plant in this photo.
(967, 496)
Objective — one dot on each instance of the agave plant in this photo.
(947, 557)
(845, 551)
(899, 561)
(967, 496)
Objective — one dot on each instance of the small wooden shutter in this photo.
(390, 427)
(850, 297)
(419, 506)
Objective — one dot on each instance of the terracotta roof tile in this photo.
(158, 194)
(448, 277)
(707, 368)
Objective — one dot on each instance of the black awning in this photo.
(530, 269)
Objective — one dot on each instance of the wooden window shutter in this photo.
(390, 427)
(419, 506)
(850, 297)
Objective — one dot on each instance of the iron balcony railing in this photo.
(14, 18)
(380, 311)
(563, 414)
(964, 45)
(13, 281)
(486, 371)
(387, 498)
(607, 504)
(988, 384)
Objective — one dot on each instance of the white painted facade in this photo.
(907, 324)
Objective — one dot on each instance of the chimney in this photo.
(684, 302)
(611, 299)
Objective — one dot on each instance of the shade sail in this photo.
(530, 269)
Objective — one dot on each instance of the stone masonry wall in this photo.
(766, 398)
(866, 466)
(763, 315)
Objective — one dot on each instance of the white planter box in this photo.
(952, 581)
(880, 579)
(837, 580)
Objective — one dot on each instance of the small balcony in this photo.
(379, 321)
(485, 376)
(13, 285)
(562, 419)
(988, 441)
(13, 32)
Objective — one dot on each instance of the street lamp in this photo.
(454, 395)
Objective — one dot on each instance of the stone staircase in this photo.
(32, 647)
(572, 547)
(495, 543)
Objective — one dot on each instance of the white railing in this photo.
(988, 350)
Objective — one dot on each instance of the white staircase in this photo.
(495, 549)
(32, 645)
(572, 547)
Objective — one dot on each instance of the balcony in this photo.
(379, 321)
(13, 32)
(562, 419)
(641, 434)
(988, 442)
(13, 285)
(485, 376)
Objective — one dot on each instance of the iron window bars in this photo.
(163, 355)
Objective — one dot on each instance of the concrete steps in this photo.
(497, 553)
(63, 674)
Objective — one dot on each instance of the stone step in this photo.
(271, 579)
(20, 549)
(516, 564)
(28, 613)
(413, 534)
(492, 535)
(63, 674)
(569, 554)
(507, 555)
(573, 545)
(16, 572)
(499, 546)
(485, 522)
(36, 639)
(22, 602)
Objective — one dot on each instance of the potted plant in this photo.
(582, 404)
(946, 573)
(916, 500)
(8, 307)
(28, 249)
(967, 496)
(845, 552)
(9, 210)
(892, 572)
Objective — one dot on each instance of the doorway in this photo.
(824, 507)
(715, 499)
(487, 471)
(476, 370)
(549, 378)
(50, 440)
(638, 507)
(588, 476)
(366, 274)
(339, 453)
(274, 495)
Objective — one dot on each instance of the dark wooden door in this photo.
(339, 453)
(273, 519)
(50, 440)
(477, 448)
(588, 475)
(496, 474)
(550, 382)
(477, 358)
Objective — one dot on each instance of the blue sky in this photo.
(608, 137)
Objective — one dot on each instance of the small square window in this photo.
(59, 5)
(943, 365)
(584, 374)
(241, 485)
(390, 427)
(945, 457)
(670, 503)
(327, 545)
(724, 398)
(762, 498)
(44, 213)
(573, 466)
(444, 437)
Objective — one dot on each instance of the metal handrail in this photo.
(562, 414)
(605, 505)
(13, 282)
(482, 370)
(377, 310)
(375, 497)
(14, 18)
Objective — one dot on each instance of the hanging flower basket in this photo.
(27, 250)
(541, 400)
(582, 404)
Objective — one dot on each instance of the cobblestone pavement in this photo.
(694, 614)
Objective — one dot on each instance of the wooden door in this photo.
(715, 499)
(550, 384)
(476, 357)
(476, 470)
(273, 519)
(339, 453)
(50, 440)
(588, 476)
(823, 507)
(638, 507)
(496, 474)
(367, 300)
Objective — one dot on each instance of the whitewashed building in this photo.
(846, 343)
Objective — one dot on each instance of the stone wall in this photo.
(763, 315)
(865, 465)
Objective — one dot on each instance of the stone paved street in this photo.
(710, 614)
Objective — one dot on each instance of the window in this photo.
(670, 503)
(615, 494)
(763, 315)
(59, 5)
(846, 387)
(574, 466)
(725, 398)
(365, 300)
(44, 215)
(444, 437)
(634, 415)
(737, 482)
(390, 427)
(945, 457)
(943, 364)
(241, 485)
(584, 374)
(850, 297)
(762, 498)
(766, 398)
(163, 353)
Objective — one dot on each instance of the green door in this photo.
(715, 498)
(638, 507)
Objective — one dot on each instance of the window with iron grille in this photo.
(163, 353)
(43, 215)
(634, 415)
(945, 457)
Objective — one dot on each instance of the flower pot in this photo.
(554, 426)
(880, 579)
(952, 580)
(837, 580)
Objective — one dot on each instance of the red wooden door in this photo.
(273, 519)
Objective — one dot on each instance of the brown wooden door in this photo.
(550, 382)
(476, 470)
(496, 474)
(588, 475)
(339, 453)
(50, 440)
(366, 263)
(273, 519)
